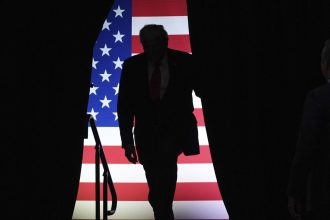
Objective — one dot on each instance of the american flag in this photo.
(197, 195)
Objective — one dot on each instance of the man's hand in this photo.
(295, 208)
(130, 154)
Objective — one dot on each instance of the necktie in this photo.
(155, 84)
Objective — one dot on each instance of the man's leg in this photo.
(161, 174)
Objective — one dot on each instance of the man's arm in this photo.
(126, 114)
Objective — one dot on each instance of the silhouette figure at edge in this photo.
(309, 181)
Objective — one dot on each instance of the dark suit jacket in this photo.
(172, 125)
(310, 168)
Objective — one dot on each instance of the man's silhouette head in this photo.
(154, 40)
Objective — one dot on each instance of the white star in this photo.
(93, 90)
(105, 102)
(94, 63)
(105, 76)
(119, 12)
(93, 114)
(118, 37)
(116, 115)
(116, 89)
(118, 63)
(105, 50)
(106, 25)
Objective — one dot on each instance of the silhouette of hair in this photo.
(325, 55)
(155, 29)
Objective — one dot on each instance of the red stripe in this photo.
(139, 191)
(198, 112)
(115, 155)
(178, 42)
(159, 8)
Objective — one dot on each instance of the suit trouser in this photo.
(161, 174)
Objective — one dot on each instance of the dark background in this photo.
(46, 60)
(257, 62)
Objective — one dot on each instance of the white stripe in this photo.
(142, 210)
(134, 173)
(110, 136)
(172, 24)
(196, 101)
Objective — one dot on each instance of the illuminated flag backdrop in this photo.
(197, 195)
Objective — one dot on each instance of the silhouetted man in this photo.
(309, 183)
(155, 97)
